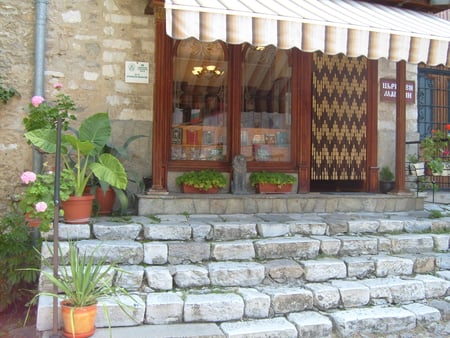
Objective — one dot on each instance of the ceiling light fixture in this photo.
(208, 71)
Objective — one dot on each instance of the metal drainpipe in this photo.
(39, 64)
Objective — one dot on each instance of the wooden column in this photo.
(372, 126)
(400, 135)
(162, 101)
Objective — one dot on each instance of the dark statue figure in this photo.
(239, 175)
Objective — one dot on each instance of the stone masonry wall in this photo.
(87, 44)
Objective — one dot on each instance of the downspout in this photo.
(39, 64)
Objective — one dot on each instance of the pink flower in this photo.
(57, 85)
(446, 152)
(41, 206)
(37, 100)
(28, 176)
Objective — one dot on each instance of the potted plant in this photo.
(386, 180)
(81, 153)
(37, 201)
(203, 181)
(271, 182)
(82, 283)
(433, 149)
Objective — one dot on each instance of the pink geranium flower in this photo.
(41, 206)
(28, 176)
(58, 85)
(37, 100)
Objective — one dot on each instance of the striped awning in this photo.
(350, 27)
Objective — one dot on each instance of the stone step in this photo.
(227, 304)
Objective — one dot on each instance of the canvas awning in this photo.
(350, 27)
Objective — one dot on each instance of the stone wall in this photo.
(87, 45)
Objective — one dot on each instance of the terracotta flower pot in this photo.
(189, 189)
(105, 201)
(32, 222)
(78, 209)
(269, 188)
(78, 322)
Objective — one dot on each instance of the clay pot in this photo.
(105, 201)
(269, 188)
(189, 189)
(78, 209)
(78, 322)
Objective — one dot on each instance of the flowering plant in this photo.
(434, 148)
(38, 201)
(44, 114)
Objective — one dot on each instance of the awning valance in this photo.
(350, 27)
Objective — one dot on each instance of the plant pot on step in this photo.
(78, 209)
(105, 201)
(78, 322)
(190, 189)
(386, 186)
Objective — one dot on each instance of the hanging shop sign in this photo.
(388, 90)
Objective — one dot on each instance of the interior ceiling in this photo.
(430, 6)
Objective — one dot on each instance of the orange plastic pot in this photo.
(78, 322)
(105, 201)
(78, 209)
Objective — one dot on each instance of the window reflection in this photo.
(266, 115)
(199, 114)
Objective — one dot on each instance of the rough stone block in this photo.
(324, 269)
(382, 320)
(167, 231)
(164, 308)
(308, 227)
(325, 296)
(155, 253)
(272, 229)
(355, 246)
(443, 261)
(434, 287)
(286, 299)
(390, 225)
(441, 242)
(120, 252)
(257, 304)
(282, 270)
(328, 246)
(213, 308)
(404, 291)
(417, 225)
(236, 250)
(362, 226)
(392, 266)
(70, 232)
(353, 294)
(411, 243)
(188, 252)
(104, 230)
(134, 307)
(236, 274)
(424, 314)
(359, 267)
(186, 276)
(274, 327)
(44, 316)
(131, 278)
(227, 231)
(311, 324)
(290, 247)
(159, 278)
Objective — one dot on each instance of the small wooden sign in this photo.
(388, 90)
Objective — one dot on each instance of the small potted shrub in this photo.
(203, 181)
(386, 180)
(271, 182)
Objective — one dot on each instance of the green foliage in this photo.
(203, 179)
(433, 149)
(82, 152)
(271, 177)
(46, 114)
(7, 93)
(386, 175)
(16, 253)
(436, 214)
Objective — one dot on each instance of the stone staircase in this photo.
(273, 275)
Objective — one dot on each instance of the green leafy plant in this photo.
(7, 93)
(81, 152)
(271, 177)
(16, 253)
(203, 179)
(84, 280)
(386, 175)
(38, 198)
(44, 114)
(434, 148)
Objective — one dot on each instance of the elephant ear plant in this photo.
(81, 151)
